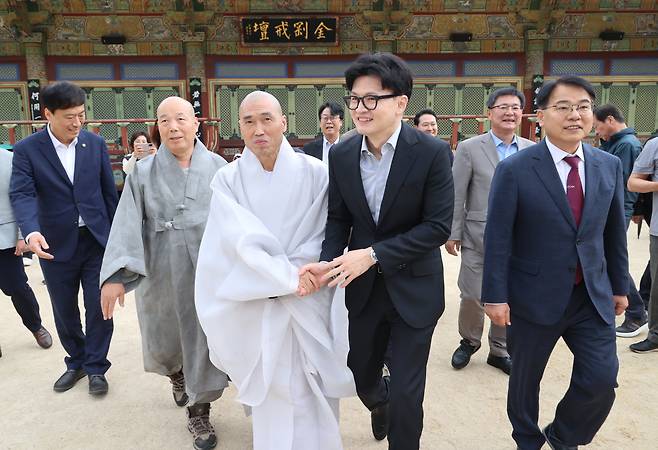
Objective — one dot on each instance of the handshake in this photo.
(339, 272)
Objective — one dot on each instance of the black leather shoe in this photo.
(503, 363)
(379, 419)
(553, 442)
(462, 355)
(68, 380)
(97, 385)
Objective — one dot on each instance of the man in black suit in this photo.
(331, 117)
(64, 197)
(390, 202)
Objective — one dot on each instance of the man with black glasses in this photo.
(390, 201)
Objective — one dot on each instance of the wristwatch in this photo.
(373, 256)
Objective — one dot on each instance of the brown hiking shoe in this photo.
(177, 381)
(198, 423)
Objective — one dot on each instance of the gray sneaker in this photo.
(198, 423)
(631, 327)
(177, 381)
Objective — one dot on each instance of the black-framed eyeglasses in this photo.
(369, 101)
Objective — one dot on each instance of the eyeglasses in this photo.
(324, 118)
(566, 108)
(369, 101)
(505, 107)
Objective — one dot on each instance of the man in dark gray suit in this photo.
(13, 281)
(472, 171)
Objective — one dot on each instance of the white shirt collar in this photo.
(558, 154)
(56, 142)
(392, 141)
(326, 143)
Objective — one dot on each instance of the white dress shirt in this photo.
(326, 145)
(563, 168)
(374, 172)
(66, 154)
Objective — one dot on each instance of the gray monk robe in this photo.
(153, 247)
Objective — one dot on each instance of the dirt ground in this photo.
(464, 409)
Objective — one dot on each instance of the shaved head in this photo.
(178, 103)
(262, 124)
(177, 125)
(260, 96)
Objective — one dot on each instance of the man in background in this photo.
(13, 280)
(331, 117)
(472, 171)
(619, 140)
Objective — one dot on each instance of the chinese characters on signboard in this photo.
(195, 99)
(34, 92)
(537, 83)
(289, 30)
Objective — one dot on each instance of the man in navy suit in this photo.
(330, 115)
(390, 202)
(556, 266)
(64, 197)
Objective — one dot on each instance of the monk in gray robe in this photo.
(153, 248)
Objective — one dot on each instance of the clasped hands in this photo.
(338, 272)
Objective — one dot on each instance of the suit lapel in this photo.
(403, 158)
(592, 180)
(48, 151)
(489, 149)
(547, 173)
(354, 168)
(81, 155)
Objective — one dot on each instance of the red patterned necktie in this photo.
(576, 199)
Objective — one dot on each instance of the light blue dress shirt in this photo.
(374, 172)
(504, 150)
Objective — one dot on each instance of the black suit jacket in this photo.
(314, 148)
(414, 221)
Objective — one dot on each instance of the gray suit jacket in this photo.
(475, 162)
(8, 228)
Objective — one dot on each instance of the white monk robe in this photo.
(286, 354)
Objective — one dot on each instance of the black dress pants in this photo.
(375, 328)
(13, 283)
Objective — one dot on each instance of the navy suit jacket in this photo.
(45, 200)
(414, 221)
(532, 244)
(314, 148)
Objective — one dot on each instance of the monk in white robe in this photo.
(153, 247)
(282, 342)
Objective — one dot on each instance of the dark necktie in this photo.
(576, 199)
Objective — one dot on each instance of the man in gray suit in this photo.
(13, 281)
(475, 161)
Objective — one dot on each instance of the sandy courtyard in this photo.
(464, 409)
